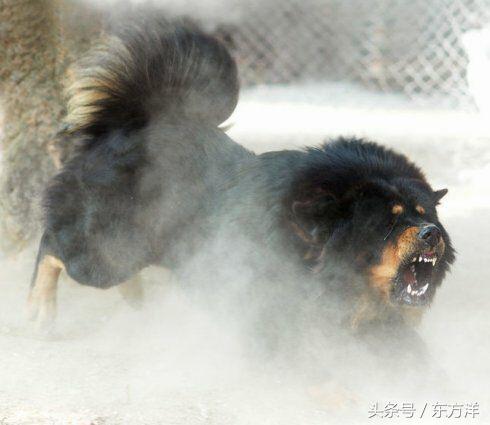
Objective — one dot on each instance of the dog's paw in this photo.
(42, 314)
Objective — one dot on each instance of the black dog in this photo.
(154, 178)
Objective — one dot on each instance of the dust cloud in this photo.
(189, 358)
(193, 355)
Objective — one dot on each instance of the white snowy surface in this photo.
(171, 363)
(313, 111)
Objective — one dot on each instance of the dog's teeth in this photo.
(420, 259)
(409, 289)
(433, 262)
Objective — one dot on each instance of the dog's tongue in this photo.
(409, 277)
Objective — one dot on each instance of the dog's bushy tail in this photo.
(152, 67)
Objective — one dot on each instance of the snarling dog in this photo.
(153, 178)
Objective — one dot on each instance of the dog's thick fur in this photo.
(154, 178)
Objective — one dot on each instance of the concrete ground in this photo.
(172, 363)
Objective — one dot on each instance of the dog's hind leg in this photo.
(42, 296)
(132, 291)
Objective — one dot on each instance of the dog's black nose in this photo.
(431, 235)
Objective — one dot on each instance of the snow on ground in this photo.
(172, 363)
(311, 111)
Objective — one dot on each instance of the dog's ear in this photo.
(439, 194)
(308, 221)
(317, 208)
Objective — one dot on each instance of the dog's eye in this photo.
(420, 209)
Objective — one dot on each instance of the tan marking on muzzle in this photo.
(382, 274)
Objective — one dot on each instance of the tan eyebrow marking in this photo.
(420, 209)
(397, 209)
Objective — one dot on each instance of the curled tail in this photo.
(152, 67)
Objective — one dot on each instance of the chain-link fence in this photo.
(409, 46)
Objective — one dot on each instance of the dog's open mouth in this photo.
(413, 283)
